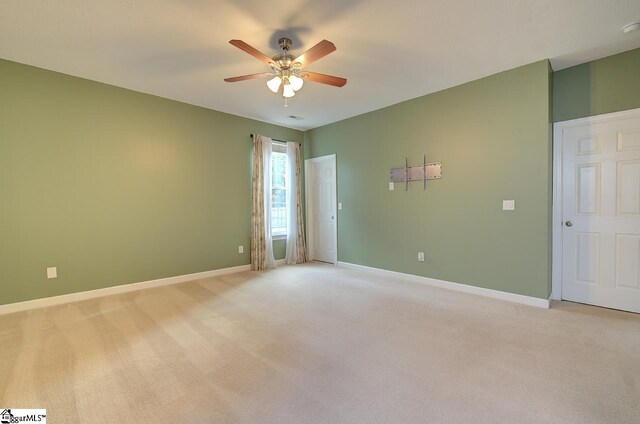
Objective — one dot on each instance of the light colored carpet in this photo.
(318, 344)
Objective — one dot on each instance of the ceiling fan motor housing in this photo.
(285, 43)
(284, 60)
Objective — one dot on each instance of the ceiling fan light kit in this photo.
(287, 75)
(287, 91)
(296, 82)
(274, 84)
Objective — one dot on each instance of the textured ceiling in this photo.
(389, 50)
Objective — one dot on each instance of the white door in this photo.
(601, 212)
(321, 191)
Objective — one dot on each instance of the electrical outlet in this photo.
(508, 205)
(392, 185)
(421, 256)
(240, 249)
(339, 206)
(52, 272)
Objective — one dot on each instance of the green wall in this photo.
(606, 85)
(114, 186)
(493, 139)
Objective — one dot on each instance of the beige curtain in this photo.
(261, 243)
(296, 246)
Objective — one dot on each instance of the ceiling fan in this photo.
(286, 69)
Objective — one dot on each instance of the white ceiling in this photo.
(390, 51)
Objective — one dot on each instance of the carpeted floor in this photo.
(318, 344)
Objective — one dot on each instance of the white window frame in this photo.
(279, 147)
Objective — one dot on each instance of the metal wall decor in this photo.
(422, 172)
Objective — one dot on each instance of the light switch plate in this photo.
(52, 272)
(339, 206)
(240, 249)
(508, 205)
(392, 185)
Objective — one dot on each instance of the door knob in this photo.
(569, 224)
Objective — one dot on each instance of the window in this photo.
(279, 190)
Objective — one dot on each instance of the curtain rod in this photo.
(273, 139)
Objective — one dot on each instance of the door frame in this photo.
(557, 213)
(309, 203)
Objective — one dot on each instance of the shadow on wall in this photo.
(572, 93)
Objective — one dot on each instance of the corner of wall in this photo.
(308, 144)
(550, 177)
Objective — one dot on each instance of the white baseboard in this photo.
(480, 291)
(124, 288)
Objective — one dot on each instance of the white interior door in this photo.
(321, 202)
(601, 212)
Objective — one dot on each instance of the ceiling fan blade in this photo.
(316, 52)
(324, 78)
(248, 77)
(253, 52)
